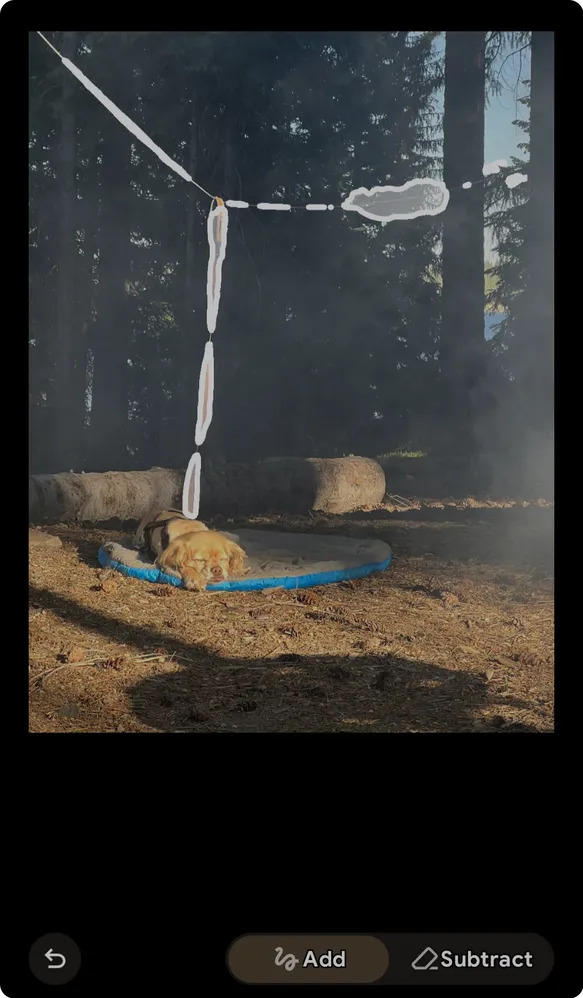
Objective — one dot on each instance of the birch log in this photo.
(293, 485)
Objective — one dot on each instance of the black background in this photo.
(155, 853)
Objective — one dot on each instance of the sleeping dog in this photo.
(189, 549)
(158, 528)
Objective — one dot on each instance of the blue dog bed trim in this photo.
(240, 585)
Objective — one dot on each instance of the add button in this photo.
(314, 959)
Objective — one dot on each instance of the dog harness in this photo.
(156, 534)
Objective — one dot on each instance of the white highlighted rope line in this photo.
(217, 225)
(191, 488)
(383, 204)
(348, 204)
(380, 204)
(124, 120)
(206, 388)
(515, 179)
(493, 167)
(129, 124)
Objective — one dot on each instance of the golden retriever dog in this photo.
(201, 557)
(157, 529)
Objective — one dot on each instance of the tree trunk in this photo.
(64, 427)
(85, 305)
(112, 337)
(462, 349)
(537, 305)
(293, 485)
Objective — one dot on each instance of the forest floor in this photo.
(456, 636)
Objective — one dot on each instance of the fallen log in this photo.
(293, 485)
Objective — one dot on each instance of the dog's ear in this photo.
(174, 556)
(236, 557)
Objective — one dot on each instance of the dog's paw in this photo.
(194, 585)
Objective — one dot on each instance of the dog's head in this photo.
(213, 556)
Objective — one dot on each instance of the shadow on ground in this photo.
(88, 538)
(289, 693)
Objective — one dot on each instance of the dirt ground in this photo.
(456, 636)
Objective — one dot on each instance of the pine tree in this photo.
(327, 329)
(462, 352)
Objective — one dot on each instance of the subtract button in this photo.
(313, 959)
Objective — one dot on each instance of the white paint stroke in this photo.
(265, 206)
(237, 204)
(467, 185)
(191, 488)
(411, 200)
(493, 167)
(515, 179)
(316, 207)
(206, 389)
(127, 122)
(217, 225)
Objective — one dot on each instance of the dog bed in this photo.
(291, 561)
